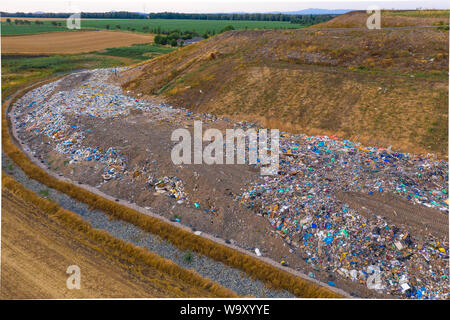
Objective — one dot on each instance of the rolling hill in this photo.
(381, 87)
(397, 18)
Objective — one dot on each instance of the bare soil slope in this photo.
(381, 87)
(37, 249)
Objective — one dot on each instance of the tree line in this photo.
(172, 37)
(306, 19)
(88, 15)
(301, 19)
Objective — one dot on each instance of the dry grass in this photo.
(386, 87)
(182, 239)
(357, 19)
(64, 238)
(70, 42)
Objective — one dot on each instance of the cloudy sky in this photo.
(210, 6)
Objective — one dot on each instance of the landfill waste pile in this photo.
(301, 205)
(43, 111)
(301, 202)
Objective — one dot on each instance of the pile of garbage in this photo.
(44, 111)
(301, 206)
(171, 186)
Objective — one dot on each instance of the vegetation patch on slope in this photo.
(390, 18)
(379, 87)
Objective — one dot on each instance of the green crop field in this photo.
(199, 26)
(138, 25)
(18, 70)
(13, 29)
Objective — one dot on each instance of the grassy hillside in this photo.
(273, 277)
(398, 18)
(383, 87)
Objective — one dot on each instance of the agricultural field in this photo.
(55, 236)
(143, 51)
(69, 43)
(19, 70)
(28, 58)
(142, 25)
(200, 26)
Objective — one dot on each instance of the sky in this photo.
(210, 6)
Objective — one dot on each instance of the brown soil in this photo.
(70, 42)
(36, 251)
(357, 19)
(378, 87)
(3, 19)
(414, 218)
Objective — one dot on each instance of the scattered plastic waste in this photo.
(300, 202)
(301, 205)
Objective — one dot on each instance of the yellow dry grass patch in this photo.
(357, 19)
(110, 267)
(70, 42)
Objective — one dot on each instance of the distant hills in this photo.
(317, 11)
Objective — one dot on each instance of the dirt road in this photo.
(37, 250)
(70, 42)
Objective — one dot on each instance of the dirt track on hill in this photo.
(400, 211)
(378, 87)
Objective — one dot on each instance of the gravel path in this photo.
(231, 278)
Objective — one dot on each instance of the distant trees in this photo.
(227, 28)
(21, 22)
(220, 16)
(160, 39)
(171, 37)
(173, 42)
(310, 19)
